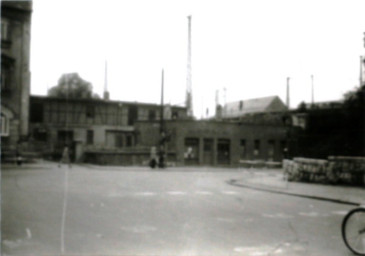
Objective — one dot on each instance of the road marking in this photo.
(207, 193)
(277, 216)
(29, 234)
(229, 192)
(139, 229)
(145, 193)
(252, 251)
(226, 220)
(12, 244)
(340, 212)
(176, 193)
(309, 214)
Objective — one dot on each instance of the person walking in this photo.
(65, 157)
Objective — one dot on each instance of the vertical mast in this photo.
(106, 93)
(189, 103)
(312, 89)
(161, 107)
(287, 93)
(361, 71)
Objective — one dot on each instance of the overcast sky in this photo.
(247, 47)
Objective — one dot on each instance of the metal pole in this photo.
(162, 134)
(161, 106)
(287, 92)
(361, 71)
(312, 89)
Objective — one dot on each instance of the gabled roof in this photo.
(265, 104)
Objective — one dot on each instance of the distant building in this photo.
(238, 109)
(15, 74)
(213, 143)
(91, 124)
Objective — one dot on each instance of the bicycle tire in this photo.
(345, 226)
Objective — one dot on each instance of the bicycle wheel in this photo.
(353, 231)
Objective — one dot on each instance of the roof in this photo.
(265, 104)
(19, 5)
(101, 101)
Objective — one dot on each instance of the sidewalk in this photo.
(273, 181)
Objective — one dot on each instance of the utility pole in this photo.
(106, 93)
(161, 163)
(362, 60)
(312, 89)
(287, 93)
(189, 96)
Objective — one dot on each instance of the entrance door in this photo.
(65, 138)
(223, 151)
(208, 152)
(191, 153)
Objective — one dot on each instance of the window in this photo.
(129, 140)
(256, 150)
(4, 29)
(243, 149)
(90, 111)
(36, 112)
(6, 73)
(4, 126)
(90, 137)
(151, 115)
(175, 115)
(132, 114)
(119, 138)
(40, 134)
(65, 137)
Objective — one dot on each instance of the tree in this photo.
(354, 118)
(72, 86)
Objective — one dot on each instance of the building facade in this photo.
(91, 125)
(15, 74)
(215, 143)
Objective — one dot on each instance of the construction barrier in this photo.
(334, 170)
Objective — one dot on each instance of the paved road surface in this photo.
(138, 211)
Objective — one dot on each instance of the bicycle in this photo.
(353, 230)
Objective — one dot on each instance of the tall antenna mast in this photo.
(362, 60)
(189, 103)
(106, 93)
(287, 93)
(312, 78)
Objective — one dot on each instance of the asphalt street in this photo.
(91, 210)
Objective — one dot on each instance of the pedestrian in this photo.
(18, 154)
(65, 157)
(153, 158)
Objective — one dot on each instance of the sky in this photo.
(241, 48)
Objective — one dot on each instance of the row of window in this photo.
(257, 147)
(115, 139)
(61, 114)
(223, 148)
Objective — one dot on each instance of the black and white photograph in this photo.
(182, 128)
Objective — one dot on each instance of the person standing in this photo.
(65, 157)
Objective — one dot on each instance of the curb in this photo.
(234, 182)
